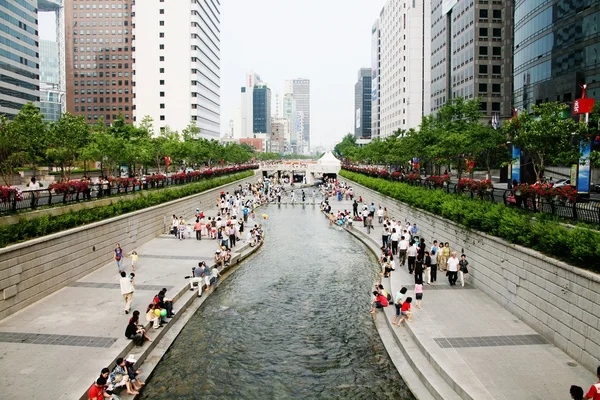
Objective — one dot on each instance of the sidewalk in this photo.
(55, 348)
(479, 349)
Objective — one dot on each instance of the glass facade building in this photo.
(19, 55)
(98, 59)
(362, 105)
(50, 95)
(557, 48)
(261, 109)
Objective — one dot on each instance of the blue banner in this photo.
(583, 175)
(516, 164)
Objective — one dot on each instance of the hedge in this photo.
(27, 229)
(576, 245)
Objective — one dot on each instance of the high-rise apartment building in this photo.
(375, 79)
(300, 90)
(261, 109)
(99, 59)
(19, 55)
(50, 93)
(477, 38)
(177, 64)
(362, 104)
(557, 49)
(405, 64)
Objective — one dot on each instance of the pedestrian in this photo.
(452, 269)
(402, 249)
(119, 256)
(394, 237)
(96, 392)
(398, 303)
(405, 311)
(594, 392)
(380, 215)
(134, 260)
(369, 223)
(412, 257)
(433, 253)
(419, 269)
(445, 252)
(215, 275)
(419, 293)
(198, 229)
(127, 289)
(197, 277)
(354, 208)
(428, 269)
(464, 269)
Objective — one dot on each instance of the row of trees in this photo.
(456, 136)
(27, 140)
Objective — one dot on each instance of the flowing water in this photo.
(292, 322)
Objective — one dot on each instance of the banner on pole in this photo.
(516, 164)
(583, 175)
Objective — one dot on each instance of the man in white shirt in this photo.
(452, 264)
(127, 290)
(402, 248)
(412, 257)
(394, 238)
(380, 215)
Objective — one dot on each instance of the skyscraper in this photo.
(362, 104)
(301, 94)
(261, 109)
(50, 94)
(177, 64)
(405, 64)
(557, 49)
(19, 58)
(99, 59)
(477, 38)
(375, 79)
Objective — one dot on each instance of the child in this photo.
(181, 231)
(419, 293)
(189, 231)
(398, 303)
(405, 311)
(131, 278)
(215, 275)
(134, 260)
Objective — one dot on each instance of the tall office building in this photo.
(405, 64)
(177, 64)
(300, 90)
(261, 109)
(557, 49)
(375, 79)
(477, 37)
(362, 104)
(50, 93)
(19, 56)
(98, 59)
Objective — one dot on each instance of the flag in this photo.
(167, 161)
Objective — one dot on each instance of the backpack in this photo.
(389, 297)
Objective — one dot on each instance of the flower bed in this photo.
(438, 180)
(8, 193)
(69, 187)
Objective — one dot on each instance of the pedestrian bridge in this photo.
(326, 165)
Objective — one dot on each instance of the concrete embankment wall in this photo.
(559, 301)
(34, 269)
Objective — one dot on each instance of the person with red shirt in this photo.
(594, 392)
(405, 311)
(97, 392)
(379, 302)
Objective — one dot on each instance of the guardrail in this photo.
(584, 210)
(34, 199)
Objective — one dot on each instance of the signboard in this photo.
(583, 175)
(516, 164)
(573, 174)
(447, 6)
(358, 118)
(583, 106)
(124, 171)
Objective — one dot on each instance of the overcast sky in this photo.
(326, 41)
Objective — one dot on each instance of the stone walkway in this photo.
(55, 348)
(480, 350)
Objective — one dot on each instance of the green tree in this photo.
(546, 136)
(68, 136)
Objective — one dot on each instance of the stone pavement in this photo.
(479, 349)
(55, 348)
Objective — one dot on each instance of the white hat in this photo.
(131, 359)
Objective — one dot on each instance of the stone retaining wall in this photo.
(34, 269)
(559, 301)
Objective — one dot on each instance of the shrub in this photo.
(578, 245)
(44, 225)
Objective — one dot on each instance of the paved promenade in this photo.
(55, 348)
(477, 348)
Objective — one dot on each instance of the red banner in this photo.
(583, 106)
(167, 161)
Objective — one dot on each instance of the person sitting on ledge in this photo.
(151, 315)
(164, 303)
(134, 330)
(380, 301)
(119, 377)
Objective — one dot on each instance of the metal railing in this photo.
(34, 199)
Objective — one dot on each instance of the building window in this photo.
(483, 88)
(161, 70)
(162, 82)
(483, 14)
(483, 106)
(162, 117)
(161, 46)
(161, 11)
(161, 23)
(483, 69)
(162, 105)
(496, 69)
(162, 94)
(161, 58)
(496, 106)
(497, 51)
(483, 32)
(161, 35)
(495, 88)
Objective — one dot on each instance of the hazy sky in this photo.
(326, 41)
